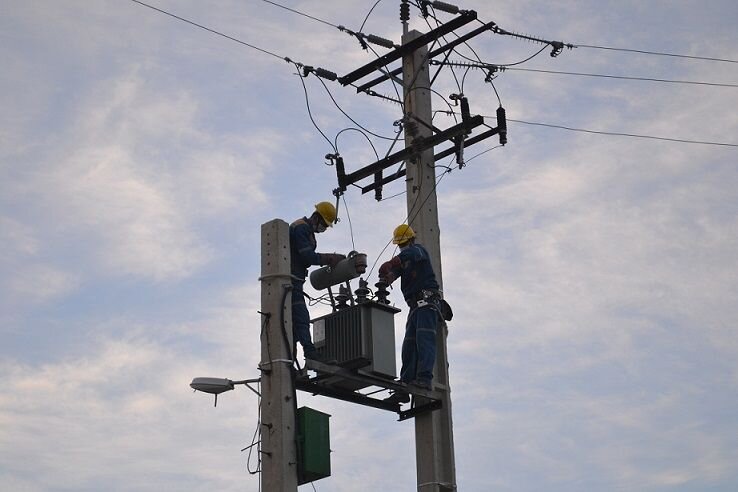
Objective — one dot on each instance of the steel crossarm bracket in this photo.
(427, 38)
(346, 395)
(444, 153)
(417, 147)
(412, 412)
(442, 49)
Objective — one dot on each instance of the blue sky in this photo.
(594, 278)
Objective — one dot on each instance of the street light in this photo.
(216, 386)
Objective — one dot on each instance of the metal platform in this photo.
(329, 380)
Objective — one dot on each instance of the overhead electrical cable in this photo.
(349, 117)
(644, 52)
(301, 13)
(504, 68)
(368, 14)
(623, 77)
(633, 135)
(211, 30)
(310, 113)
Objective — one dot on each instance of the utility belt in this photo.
(431, 297)
(423, 298)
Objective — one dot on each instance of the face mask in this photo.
(321, 227)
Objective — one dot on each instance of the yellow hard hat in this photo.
(403, 233)
(328, 211)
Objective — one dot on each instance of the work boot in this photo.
(314, 355)
(426, 385)
(318, 357)
(398, 397)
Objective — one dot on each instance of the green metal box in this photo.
(314, 449)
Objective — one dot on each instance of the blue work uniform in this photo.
(303, 255)
(418, 283)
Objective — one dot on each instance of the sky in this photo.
(594, 277)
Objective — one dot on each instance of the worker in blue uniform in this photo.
(303, 255)
(420, 289)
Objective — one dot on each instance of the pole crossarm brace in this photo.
(442, 49)
(417, 147)
(444, 153)
(429, 37)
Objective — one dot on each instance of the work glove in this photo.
(386, 273)
(331, 259)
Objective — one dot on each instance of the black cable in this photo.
(307, 103)
(301, 13)
(349, 117)
(655, 53)
(351, 227)
(623, 134)
(527, 59)
(648, 79)
(209, 30)
(368, 14)
(467, 161)
(361, 132)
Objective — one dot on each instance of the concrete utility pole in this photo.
(434, 439)
(278, 445)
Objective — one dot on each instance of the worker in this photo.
(303, 255)
(420, 289)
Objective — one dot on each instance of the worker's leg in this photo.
(301, 320)
(409, 351)
(426, 320)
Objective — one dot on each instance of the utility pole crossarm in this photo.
(453, 44)
(420, 145)
(463, 19)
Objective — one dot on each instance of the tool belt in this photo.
(431, 297)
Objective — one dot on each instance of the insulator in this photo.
(502, 125)
(380, 41)
(445, 7)
(326, 74)
(404, 11)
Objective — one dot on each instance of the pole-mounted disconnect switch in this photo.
(502, 125)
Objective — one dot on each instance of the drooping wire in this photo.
(526, 60)
(467, 161)
(368, 14)
(359, 131)
(351, 227)
(349, 117)
(307, 104)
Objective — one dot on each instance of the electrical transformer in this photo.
(360, 337)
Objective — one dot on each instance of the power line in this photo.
(655, 53)
(633, 135)
(622, 77)
(210, 30)
(301, 13)
(503, 68)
